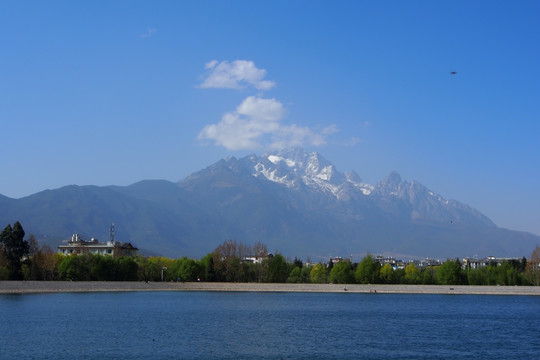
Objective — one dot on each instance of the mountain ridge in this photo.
(298, 203)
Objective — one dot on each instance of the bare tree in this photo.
(260, 250)
(230, 263)
(48, 262)
(533, 267)
(33, 245)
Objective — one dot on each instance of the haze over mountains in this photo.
(295, 202)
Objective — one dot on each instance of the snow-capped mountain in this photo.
(295, 202)
(295, 167)
(300, 200)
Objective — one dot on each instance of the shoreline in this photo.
(43, 287)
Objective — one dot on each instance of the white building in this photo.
(110, 248)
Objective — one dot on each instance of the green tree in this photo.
(162, 264)
(186, 269)
(512, 276)
(102, 268)
(15, 249)
(412, 274)
(477, 276)
(399, 276)
(126, 268)
(318, 274)
(75, 267)
(149, 269)
(4, 272)
(278, 270)
(207, 266)
(387, 274)
(341, 273)
(449, 273)
(519, 265)
(295, 276)
(368, 271)
(503, 274)
(232, 269)
(299, 275)
(429, 275)
(306, 270)
(249, 271)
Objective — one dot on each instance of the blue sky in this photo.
(103, 93)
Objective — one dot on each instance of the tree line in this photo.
(24, 259)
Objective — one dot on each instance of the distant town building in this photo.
(394, 263)
(425, 263)
(475, 263)
(257, 259)
(110, 248)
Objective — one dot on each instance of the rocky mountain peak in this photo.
(294, 201)
(392, 184)
(295, 167)
(311, 175)
(352, 176)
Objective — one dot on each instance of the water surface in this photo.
(215, 325)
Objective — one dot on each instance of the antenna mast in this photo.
(111, 233)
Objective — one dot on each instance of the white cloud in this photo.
(235, 75)
(294, 135)
(256, 123)
(241, 129)
(254, 107)
(148, 33)
(330, 129)
(353, 141)
(211, 64)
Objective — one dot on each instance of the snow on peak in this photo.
(276, 159)
(295, 167)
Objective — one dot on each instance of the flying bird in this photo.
(453, 72)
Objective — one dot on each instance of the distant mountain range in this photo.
(295, 202)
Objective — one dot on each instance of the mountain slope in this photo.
(296, 202)
(54, 215)
(341, 214)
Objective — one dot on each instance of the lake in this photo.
(246, 325)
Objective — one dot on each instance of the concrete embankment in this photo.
(29, 287)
